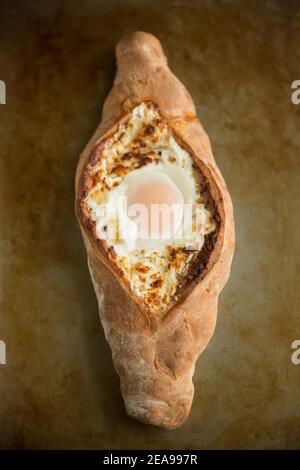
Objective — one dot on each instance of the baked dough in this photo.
(155, 355)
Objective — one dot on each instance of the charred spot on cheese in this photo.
(146, 142)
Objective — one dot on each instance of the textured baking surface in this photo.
(59, 388)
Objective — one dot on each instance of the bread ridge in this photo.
(155, 357)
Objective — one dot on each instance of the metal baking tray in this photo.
(58, 388)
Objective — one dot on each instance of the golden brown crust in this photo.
(155, 357)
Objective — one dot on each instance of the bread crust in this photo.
(155, 356)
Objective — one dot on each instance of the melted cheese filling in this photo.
(145, 144)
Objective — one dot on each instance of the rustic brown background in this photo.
(238, 59)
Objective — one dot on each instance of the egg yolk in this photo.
(155, 203)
